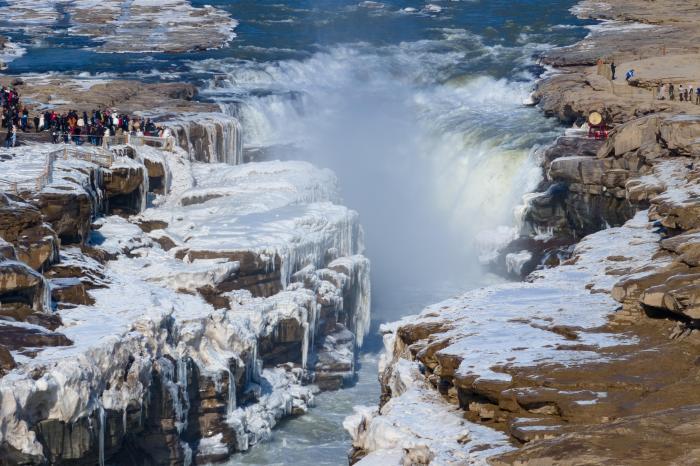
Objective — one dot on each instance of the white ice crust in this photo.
(149, 308)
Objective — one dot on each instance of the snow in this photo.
(281, 209)
(495, 329)
(147, 313)
(420, 425)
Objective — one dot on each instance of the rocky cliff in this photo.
(596, 349)
(161, 310)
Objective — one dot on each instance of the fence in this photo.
(106, 142)
(97, 155)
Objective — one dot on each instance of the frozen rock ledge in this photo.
(187, 316)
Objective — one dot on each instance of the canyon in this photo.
(592, 358)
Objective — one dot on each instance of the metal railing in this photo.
(95, 155)
(38, 183)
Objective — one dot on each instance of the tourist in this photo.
(680, 92)
(612, 69)
(671, 92)
(8, 138)
(25, 118)
(11, 138)
(629, 75)
(662, 91)
(697, 95)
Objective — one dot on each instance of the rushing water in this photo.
(421, 115)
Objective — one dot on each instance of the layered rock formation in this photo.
(596, 350)
(174, 333)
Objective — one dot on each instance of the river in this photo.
(422, 114)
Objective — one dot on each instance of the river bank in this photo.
(596, 350)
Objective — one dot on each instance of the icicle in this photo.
(305, 345)
(251, 370)
(187, 453)
(182, 374)
(167, 175)
(143, 190)
(173, 389)
(45, 297)
(102, 435)
(231, 393)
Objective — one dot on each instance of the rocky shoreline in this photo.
(596, 350)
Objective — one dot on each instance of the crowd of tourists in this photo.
(70, 127)
(680, 93)
(671, 91)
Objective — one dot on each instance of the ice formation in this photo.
(172, 302)
(489, 330)
(136, 26)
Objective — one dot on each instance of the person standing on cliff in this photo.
(680, 92)
(671, 91)
(612, 69)
(660, 91)
(8, 137)
(697, 95)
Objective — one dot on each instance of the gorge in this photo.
(208, 297)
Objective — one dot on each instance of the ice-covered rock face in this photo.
(163, 342)
(476, 350)
(209, 137)
(274, 218)
(128, 26)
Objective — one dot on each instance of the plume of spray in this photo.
(428, 164)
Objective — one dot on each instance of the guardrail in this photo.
(96, 155)
(166, 144)
(106, 142)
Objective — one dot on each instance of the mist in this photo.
(430, 162)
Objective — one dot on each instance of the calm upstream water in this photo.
(420, 114)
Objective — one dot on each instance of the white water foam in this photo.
(426, 158)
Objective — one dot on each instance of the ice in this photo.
(137, 26)
(500, 327)
(516, 261)
(148, 314)
(223, 142)
(418, 423)
(281, 396)
(281, 209)
(213, 445)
